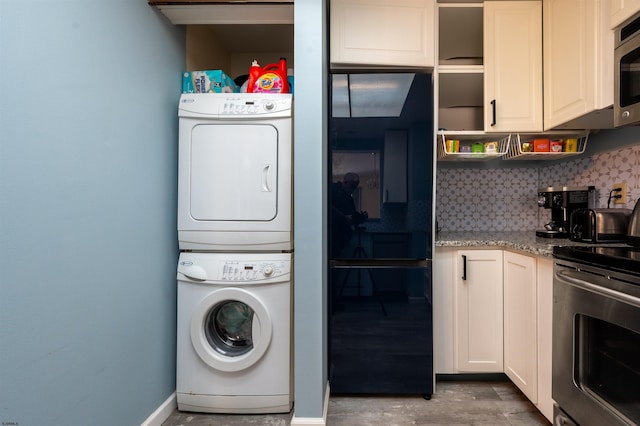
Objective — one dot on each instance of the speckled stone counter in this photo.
(525, 242)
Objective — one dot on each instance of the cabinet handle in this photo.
(464, 267)
(493, 108)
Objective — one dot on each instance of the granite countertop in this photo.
(525, 242)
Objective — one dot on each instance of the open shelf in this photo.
(515, 151)
(467, 139)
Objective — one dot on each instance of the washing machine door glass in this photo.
(228, 328)
(231, 329)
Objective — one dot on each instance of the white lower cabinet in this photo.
(467, 311)
(442, 293)
(478, 311)
(503, 306)
(545, 327)
(520, 317)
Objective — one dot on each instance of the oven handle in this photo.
(567, 277)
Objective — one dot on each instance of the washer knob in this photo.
(269, 106)
(268, 271)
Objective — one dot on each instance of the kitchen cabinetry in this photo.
(443, 309)
(512, 66)
(578, 64)
(525, 332)
(382, 33)
(459, 72)
(467, 311)
(490, 75)
(394, 172)
(478, 301)
(621, 10)
(497, 89)
(520, 323)
(544, 313)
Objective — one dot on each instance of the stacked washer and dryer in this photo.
(234, 325)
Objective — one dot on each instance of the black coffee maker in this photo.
(562, 201)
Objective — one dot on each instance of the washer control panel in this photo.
(232, 270)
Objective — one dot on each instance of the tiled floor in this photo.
(454, 403)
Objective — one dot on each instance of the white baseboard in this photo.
(314, 421)
(163, 412)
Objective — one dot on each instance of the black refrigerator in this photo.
(381, 203)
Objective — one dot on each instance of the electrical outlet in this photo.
(622, 192)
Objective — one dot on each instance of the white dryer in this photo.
(234, 172)
(234, 333)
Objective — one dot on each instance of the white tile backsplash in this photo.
(505, 199)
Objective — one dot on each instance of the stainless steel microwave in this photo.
(626, 106)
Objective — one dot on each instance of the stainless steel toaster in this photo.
(599, 225)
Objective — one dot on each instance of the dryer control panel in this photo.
(250, 271)
(235, 105)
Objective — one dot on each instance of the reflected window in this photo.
(367, 166)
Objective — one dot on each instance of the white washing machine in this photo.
(235, 172)
(234, 333)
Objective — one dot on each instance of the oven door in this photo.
(596, 345)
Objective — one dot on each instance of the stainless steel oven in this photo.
(626, 106)
(596, 335)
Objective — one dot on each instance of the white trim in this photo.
(228, 13)
(314, 421)
(163, 412)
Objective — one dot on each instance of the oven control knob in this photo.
(626, 114)
(268, 271)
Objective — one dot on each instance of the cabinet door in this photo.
(621, 10)
(513, 66)
(394, 173)
(478, 311)
(578, 59)
(443, 306)
(382, 32)
(520, 328)
(545, 327)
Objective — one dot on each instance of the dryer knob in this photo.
(268, 270)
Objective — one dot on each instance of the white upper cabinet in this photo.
(382, 33)
(578, 64)
(512, 66)
(621, 10)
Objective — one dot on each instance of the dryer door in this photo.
(231, 329)
(234, 171)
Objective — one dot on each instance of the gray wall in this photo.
(88, 95)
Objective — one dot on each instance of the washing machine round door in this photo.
(231, 329)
